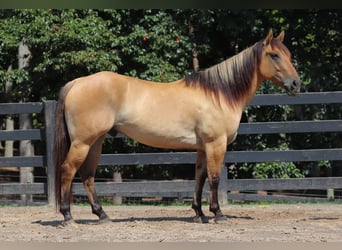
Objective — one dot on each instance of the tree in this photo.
(25, 122)
(159, 45)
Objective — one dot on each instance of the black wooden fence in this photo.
(183, 187)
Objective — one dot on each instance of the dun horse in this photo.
(199, 112)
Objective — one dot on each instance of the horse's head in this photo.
(275, 64)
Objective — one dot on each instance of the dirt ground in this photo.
(246, 223)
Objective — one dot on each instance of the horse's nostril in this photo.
(294, 83)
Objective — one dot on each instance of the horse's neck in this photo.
(254, 86)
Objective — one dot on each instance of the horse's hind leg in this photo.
(77, 154)
(87, 172)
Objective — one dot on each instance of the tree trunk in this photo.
(9, 119)
(25, 122)
(195, 62)
(26, 149)
(9, 144)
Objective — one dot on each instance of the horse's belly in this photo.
(162, 137)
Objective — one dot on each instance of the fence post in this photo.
(49, 116)
(222, 189)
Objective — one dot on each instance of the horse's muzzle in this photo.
(292, 86)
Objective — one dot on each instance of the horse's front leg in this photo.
(201, 175)
(215, 152)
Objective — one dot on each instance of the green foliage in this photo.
(154, 46)
(157, 45)
(266, 170)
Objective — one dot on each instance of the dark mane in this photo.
(232, 77)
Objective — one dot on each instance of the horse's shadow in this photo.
(56, 223)
(324, 218)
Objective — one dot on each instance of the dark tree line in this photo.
(165, 45)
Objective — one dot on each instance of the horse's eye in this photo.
(274, 56)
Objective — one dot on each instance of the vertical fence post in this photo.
(222, 190)
(49, 114)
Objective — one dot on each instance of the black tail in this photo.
(61, 141)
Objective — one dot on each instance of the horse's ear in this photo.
(280, 37)
(268, 38)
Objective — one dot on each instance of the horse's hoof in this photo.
(67, 223)
(104, 220)
(220, 219)
(200, 219)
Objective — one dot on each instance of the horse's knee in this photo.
(214, 182)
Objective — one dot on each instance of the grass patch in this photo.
(269, 203)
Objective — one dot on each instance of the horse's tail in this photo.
(61, 140)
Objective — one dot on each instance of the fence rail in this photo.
(169, 188)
